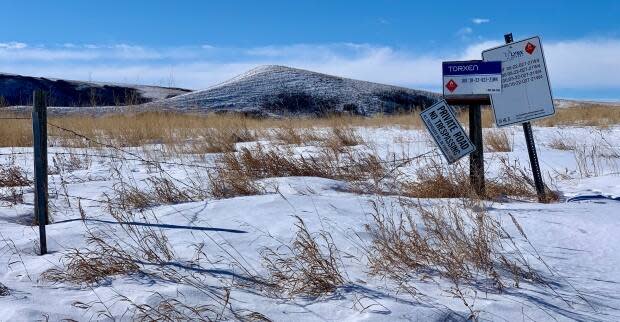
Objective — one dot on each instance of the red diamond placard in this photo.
(529, 48)
(451, 85)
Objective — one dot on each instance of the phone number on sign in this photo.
(522, 81)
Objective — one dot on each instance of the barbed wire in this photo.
(97, 142)
(397, 163)
(138, 157)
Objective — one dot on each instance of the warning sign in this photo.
(526, 92)
(471, 77)
(447, 131)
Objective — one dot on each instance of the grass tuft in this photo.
(307, 267)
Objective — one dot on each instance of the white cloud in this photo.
(580, 64)
(479, 21)
(584, 63)
(13, 45)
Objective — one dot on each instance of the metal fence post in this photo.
(531, 150)
(39, 135)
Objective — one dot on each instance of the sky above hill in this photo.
(197, 44)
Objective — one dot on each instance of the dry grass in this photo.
(69, 162)
(488, 120)
(436, 180)
(14, 133)
(288, 134)
(340, 137)
(157, 190)
(497, 141)
(454, 242)
(560, 143)
(138, 244)
(307, 267)
(596, 159)
(12, 175)
(259, 163)
(112, 252)
(235, 182)
(136, 129)
(173, 310)
(13, 196)
(91, 266)
(584, 115)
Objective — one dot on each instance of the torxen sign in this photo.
(471, 77)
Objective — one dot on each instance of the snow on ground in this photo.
(578, 239)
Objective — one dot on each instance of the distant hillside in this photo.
(279, 90)
(17, 90)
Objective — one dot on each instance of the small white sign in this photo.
(471, 77)
(447, 131)
(526, 92)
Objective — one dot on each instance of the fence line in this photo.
(137, 157)
(396, 162)
(15, 118)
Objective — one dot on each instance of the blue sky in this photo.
(196, 44)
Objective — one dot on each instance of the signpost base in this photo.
(531, 151)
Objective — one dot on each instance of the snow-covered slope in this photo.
(17, 90)
(283, 90)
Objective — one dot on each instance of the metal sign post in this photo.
(531, 150)
(39, 134)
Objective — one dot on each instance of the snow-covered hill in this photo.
(283, 90)
(17, 90)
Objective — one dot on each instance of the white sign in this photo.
(526, 92)
(447, 131)
(471, 77)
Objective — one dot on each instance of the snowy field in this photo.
(205, 255)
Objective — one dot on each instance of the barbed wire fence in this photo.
(393, 164)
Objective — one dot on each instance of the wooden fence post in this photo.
(476, 158)
(39, 135)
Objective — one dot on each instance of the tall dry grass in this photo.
(436, 180)
(135, 129)
(137, 244)
(309, 266)
(497, 141)
(455, 242)
(584, 115)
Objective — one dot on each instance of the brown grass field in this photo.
(153, 127)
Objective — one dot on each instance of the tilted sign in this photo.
(447, 131)
(471, 77)
(526, 92)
